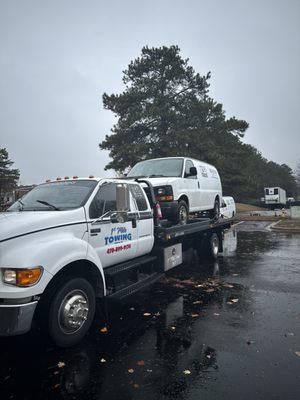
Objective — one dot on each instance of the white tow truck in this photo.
(70, 243)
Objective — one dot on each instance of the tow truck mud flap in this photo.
(172, 256)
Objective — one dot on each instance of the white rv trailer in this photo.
(275, 196)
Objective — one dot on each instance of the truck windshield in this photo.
(160, 167)
(65, 195)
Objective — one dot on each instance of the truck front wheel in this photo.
(71, 312)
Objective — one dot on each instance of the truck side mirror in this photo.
(193, 171)
(122, 197)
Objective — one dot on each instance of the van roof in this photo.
(183, 158)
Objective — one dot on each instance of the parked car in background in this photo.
(182, 186)
(228, 209)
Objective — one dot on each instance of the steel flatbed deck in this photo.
(197, 225)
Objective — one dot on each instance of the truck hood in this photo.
(162, 181)
(15, 224)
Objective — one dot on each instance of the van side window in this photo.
(104, 201)
(139, 196)
(188, 166)
(275, 191)
(267, 191)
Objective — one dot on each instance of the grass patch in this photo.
(241, 207)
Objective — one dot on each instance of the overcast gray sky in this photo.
(57, 57)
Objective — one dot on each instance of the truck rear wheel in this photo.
(213, 245)
(71, 312)
(209, 247)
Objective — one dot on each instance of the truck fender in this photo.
(53, 253)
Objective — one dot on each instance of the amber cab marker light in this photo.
(22, 277)
(58, 178)
(75, 177)
(91, 176)
(48, 180)
(28, 277)
(66, 177)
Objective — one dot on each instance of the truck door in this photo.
(145, 219)
(114, 242)
(192, 186)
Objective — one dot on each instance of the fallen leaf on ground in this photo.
(290, 334)
(141, 362)
(234, 300)
(297, 353)
(227, 285)
(199, 285)
(216, 314)
(136, 385)
(149, 370)
(173, 328)
(209, 290)
(197, 302)
(208, 356)
(104, 330)
(146, 314)
(250, 342)
(61, 364)
(187, 372)
(131, 308)
(103, 360)
(56, 385)
(195, 315)
(131, 370)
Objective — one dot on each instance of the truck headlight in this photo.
(163, 193)
(22, 277)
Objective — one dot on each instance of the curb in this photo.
(286, 230)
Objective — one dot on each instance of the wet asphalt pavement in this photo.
(228, 330)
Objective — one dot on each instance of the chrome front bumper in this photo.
(16, 319)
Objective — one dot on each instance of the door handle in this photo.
(95, 231)
(133, 221)
(198, 185)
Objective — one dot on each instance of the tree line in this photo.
(165, 110)
(8, 175)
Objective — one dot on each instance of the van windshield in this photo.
(160, 167)
(65, 195)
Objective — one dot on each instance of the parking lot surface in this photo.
(224, 330)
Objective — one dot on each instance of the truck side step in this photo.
(129, 290)
(110, 272)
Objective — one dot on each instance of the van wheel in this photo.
(71, 312)
(182, 215)
(215, 212)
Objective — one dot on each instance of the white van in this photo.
(182, 186)
(228, 209)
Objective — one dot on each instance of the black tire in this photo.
(76, 292)
(215, 212)
(209, 248)
(182, 213)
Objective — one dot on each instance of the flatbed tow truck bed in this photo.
(195, 226)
